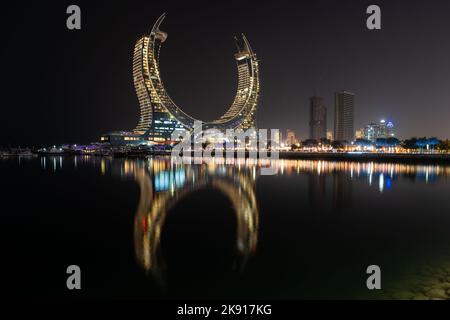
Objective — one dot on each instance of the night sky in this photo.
(62, 86)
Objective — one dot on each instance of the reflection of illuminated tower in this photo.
(163, 186)
(342, 190)
(317, 189)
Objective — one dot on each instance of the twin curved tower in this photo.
(160, 116)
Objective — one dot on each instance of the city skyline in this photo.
(226, 158)
(84, 89)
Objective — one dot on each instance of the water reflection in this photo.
(382, 175)
(163, 185)
(168, 182)
(54, 163)
(336, 185)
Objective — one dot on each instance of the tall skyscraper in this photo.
(344, 109)
(160, 116)
(317, 119)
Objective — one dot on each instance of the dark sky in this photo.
(71, 86)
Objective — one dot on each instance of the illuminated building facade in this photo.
(382, 130)
(359, 134)
(330, 135)
(290, 137)
(160, 116)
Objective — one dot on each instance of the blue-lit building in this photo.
(382, 130)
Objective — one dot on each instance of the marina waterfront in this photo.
(149, 228)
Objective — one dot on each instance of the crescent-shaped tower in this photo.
(160, 116)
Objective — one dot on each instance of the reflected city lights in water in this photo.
(344, 206)
(166, 177)
(163, 186)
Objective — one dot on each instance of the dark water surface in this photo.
(151, 229)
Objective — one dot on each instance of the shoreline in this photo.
(337, 156)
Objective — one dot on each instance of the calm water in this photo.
(149, 229)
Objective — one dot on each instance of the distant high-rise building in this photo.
(382, 130)
(370, 132)
(280, 137)
(317, 119)
(330, 135)
(344, 110)
(359, 133)
(290, 137)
